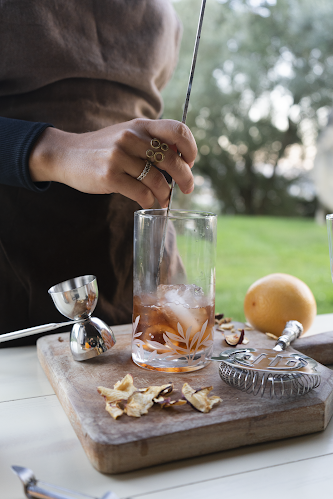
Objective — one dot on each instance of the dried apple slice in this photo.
(121, 391)
(218, 317)
(114, 410)
(139, 402)
(167, 402)
(199, 399)
(271, 335)
(236, 339)
(170, 403)
(226, 327)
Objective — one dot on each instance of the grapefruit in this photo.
(277, 298)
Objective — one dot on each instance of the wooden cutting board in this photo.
(165, 435)
(318, 346)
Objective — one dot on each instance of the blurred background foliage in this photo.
(262, 90)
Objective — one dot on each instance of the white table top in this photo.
(35, 433)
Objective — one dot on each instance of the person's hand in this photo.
(110, 160)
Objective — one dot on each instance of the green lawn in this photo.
(251, 247)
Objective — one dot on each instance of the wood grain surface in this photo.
(171, 434)
(319, 347)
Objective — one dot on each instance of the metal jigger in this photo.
(76, 299)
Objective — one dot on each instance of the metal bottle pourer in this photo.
(76, 299)
(292, 331)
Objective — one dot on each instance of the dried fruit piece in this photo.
(168, 402)
(167, 390)
(136, 402)
(121, 391)
(125, 384)
(218, 317)
(227, 327)
(271, 335)
(235, 339)
(232, 339)
(199, 398)
(225, 320)
(140, 401)
(114, 409)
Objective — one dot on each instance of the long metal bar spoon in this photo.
(187, 100)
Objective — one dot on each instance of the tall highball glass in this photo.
(174, 289)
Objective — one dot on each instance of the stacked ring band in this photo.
(145, 171)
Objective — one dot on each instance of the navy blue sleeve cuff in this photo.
(17, 137)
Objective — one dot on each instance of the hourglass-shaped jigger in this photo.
(77, 299)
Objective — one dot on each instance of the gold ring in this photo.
(155, 156)
(145, 171)
(155, 143)
(150, 154)
(158, 156)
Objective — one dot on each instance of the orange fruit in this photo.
(277, 298)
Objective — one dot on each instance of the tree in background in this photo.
(263, 88)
